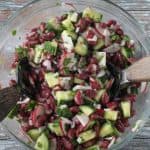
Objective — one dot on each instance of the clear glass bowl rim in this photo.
(129, 17)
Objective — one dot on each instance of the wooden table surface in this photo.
(140, 9)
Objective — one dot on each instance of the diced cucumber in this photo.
(86, 136)
(86, 109)
(53, 24)
(78, 81)
(51, 47)
(81, 47)
(88, 12)
(34, 134)
(101, 57)
(111, 115)
(99, 94)
(64, 96)
(126, 108)
(106, 130)
(52, 79)
(54, 127)
(83, 118)
(38, 53)
(42, 143)
(88, 101)
(94, 147)
(67, 24)
(100, 44)
(73, 35)
(73, 16)
(90, 124)
(126, 52)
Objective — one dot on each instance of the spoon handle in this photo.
(140, 70)
(8, 98)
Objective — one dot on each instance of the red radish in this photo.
(111, 22)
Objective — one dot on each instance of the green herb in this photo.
(66, 70)
(65, 112)
(126, 38)
(51, 47)
(13, 112)
(114, 37)
(82, 63)
(22, 52)
(31, 105)
(14, 32)
(134, 90)
(66, 61)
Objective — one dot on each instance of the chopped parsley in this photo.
(14, 32)
(66, 61)
(51, 47)
(22, 52)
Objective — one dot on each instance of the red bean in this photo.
(90, 93)
(74, 109)
(111, 22)
(78, 98)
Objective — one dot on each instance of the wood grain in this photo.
(140, 9)
(139, 71)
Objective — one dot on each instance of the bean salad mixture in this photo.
(74, 106)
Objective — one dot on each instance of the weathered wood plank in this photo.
(140, 9)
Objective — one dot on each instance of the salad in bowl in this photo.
(76, 105)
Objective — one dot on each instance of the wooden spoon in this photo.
(139, 71)
(10, 95)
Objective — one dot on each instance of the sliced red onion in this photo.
(84, 119)
(30, 122)
(94, 39)
(47, 64)
(97, 106)
(101, 73)
(112, 142)
(68, 43)
(106, 33)
(132, 42)
(53, 144)
(25, 101)
(123, 42)
(77, 29)
(143, 87)
(63, 123)
(81, 87)
(99, 28)
(65, 82)
(113, 48)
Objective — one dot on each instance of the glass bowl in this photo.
(42, 10)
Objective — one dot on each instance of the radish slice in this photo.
(84, 119)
